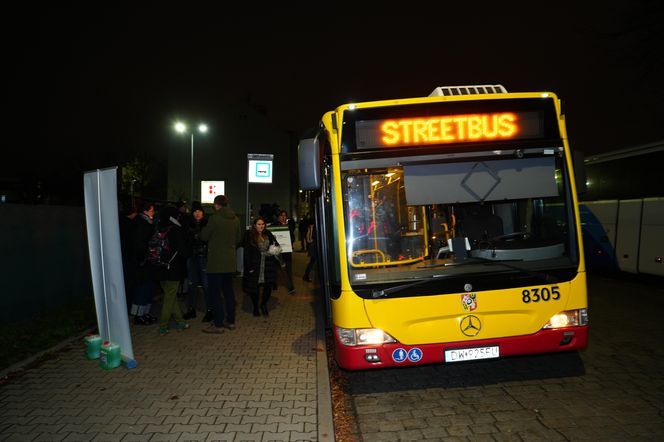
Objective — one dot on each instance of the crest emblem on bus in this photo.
(469, 301)
(471, 325)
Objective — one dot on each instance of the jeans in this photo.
(313, 256)
(288, 270)
(197, 274)
(143, 297)
(218, 283)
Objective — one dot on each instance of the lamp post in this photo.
(182, 128)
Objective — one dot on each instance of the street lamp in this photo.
(182, 128)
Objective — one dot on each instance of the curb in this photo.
(19, 366)
(325, 418)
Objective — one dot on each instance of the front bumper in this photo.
(381, 356)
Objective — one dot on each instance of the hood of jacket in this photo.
(226, 212)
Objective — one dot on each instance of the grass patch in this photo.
(26, 338)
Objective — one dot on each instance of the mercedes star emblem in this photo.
(471, 325)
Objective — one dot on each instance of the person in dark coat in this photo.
(312, 250)
(144, 284)
(260, 265)
(287, 258)
(128, 215)
(223, 234)
(197, 264)
(302, 230)
(171, 276)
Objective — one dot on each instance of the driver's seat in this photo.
(480, 224)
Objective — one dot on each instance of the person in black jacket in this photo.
(287, 258)
(127, 220)
(170, 276)
(260, 264)
(144, 285)
(312, 250)
(197, 263)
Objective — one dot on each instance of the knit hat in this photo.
(196, 205)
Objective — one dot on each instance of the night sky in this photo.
(91, 87)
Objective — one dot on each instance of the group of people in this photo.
(201, 251)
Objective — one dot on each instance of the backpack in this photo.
(159, 250)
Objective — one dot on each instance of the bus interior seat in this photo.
(480, 224)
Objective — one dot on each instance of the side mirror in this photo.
(310, 162)
(580, 173)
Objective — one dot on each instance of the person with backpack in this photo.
(168, 253)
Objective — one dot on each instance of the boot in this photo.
(264, 300)
(209, 316)
(254, 302)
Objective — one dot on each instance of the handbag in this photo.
(274, 250)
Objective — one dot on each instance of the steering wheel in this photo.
(512, 236)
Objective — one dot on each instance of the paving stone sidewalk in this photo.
(267, 380)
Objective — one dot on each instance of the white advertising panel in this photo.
(101, 217)
(210, 189)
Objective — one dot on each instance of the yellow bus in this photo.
(448, 227)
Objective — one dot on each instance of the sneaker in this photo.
(213, 329)
(291, 292)
(306, 278)
(182, 326)
(140, 320)
(190, 314)
(150, 319)
(163, 331)
(229, 326)
(209, 316)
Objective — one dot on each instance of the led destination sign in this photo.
(447, 129)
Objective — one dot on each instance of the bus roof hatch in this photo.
(468, 90)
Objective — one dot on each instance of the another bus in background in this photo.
(622, 211)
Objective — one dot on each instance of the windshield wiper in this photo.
(476, 260)
(547, 278)
(384, 292)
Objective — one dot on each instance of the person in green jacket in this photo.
(223, 234)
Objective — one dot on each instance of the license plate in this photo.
(472, 354)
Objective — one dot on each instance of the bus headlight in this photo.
(363, 336)
(568, 318)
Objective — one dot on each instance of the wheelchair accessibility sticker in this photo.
(414, 355)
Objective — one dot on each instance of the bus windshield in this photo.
(415, 220)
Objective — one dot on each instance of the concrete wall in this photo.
(44, 259)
